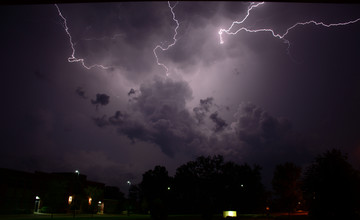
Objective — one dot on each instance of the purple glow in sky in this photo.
(113, 89)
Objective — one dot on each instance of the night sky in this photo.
(250, 99)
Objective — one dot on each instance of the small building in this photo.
(24, 192)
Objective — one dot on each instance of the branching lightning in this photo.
(251, 6)
(72, 58)
(280, 36)
(170, 45)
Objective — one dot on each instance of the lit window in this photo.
(70, 199)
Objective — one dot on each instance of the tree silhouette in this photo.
(210, 185)
(197, 183)
(154, 187)
(286, 186)
(243, 188)
(204, 186)
(332, 187)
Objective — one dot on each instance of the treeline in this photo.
(328, 188)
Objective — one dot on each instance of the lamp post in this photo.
(74, 202)
(37, 204)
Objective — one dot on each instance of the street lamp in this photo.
(37, 203)
(70, 200)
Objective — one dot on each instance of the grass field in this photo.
(139, 217)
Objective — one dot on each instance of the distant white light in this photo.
(229, 214)
(99, 202)
(168, 188)
(37, 197)
(77, 172)
(242, 185)
(128, 182)
(70, 199)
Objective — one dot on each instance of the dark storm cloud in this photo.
(116, 36)
(101, 99)
(101, 121)
(206, 103)
(263, 135)
(198, 41)
(159, 116)
(220, 123)
(121, 35)
(131, 92)
(203, 108)
(80, 91)
(196, 13)
(256, 127)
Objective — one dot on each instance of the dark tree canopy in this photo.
(332, 185)
(209, 185)
(154, 189)
(287, 186)
(155, 183)
(198, 183)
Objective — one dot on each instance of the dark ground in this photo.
(142, 217)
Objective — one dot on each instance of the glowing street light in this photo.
(70, 200)
(77, 172)
(37, 203)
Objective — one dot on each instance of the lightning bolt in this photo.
(170, 45)
(276, 35)
(251, 6)
(72, 58)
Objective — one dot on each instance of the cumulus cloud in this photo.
(203, 108)
(220, 123)
(158, 115)
(262, 135)
(255, 126)
(131, 92)
(101, 121)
